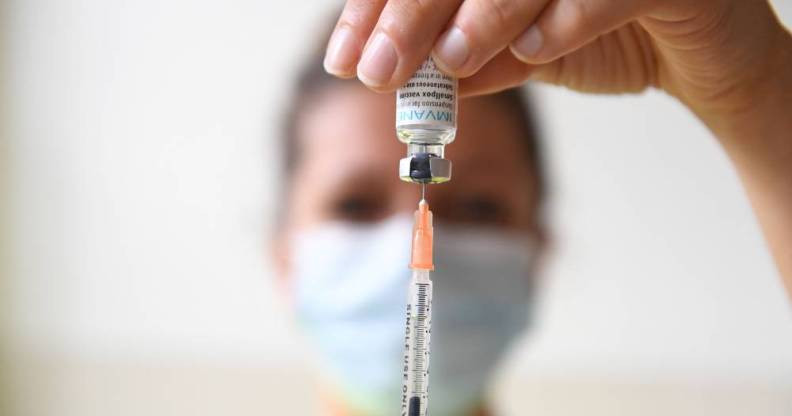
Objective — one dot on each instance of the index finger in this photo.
(349, 36)
(401, 41)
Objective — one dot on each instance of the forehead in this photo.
(350, 125)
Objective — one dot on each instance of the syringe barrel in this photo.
(417, 334)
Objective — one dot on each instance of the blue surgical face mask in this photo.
(350, 285)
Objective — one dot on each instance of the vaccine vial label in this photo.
(428, 98)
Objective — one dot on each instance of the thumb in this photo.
(566, 25)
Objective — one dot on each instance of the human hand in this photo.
(711, 54)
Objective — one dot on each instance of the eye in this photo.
(358, 208)
(481, 209)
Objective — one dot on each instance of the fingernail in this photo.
(452, 49)
(341, 52)
(378, 62)
(528, 44)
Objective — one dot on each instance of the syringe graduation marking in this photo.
(420, 338)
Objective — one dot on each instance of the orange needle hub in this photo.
(422, 238)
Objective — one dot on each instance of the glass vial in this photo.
(426, 112)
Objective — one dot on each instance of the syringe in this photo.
(415, 388)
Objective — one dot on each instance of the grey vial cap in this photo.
(425, 168)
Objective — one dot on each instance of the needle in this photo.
(423, 191)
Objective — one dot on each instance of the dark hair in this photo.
(313, 80)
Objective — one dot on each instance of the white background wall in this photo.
(143, 172)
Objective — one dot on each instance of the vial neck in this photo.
(417, 148)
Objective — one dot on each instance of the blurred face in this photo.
(348, 169)
(344, 248)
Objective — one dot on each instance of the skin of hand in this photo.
(727, 60)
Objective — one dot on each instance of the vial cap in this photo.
(425, 168)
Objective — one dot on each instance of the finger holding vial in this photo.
(384, 42)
